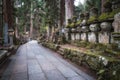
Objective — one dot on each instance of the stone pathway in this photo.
(34, 62)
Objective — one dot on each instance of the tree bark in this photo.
(102, 5)
(5, 15)
(1, 20)
(62, 12)
(16, 28)
(69, 9)
(31, 22)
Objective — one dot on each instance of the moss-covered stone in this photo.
(78, 22)
(105, 16)
(92, 19)
(97, 62)
(102, 62)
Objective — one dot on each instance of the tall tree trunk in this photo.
(31, 22)
(102, 5)
(69, 9)
(16, 28)
(62, 12)
(1, 20)
(5, 22)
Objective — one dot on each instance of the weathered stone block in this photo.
(116, 23)
(104, 37)
(83, 36)
(91, 37)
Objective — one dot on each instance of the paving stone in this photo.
(9, 69)
(20, 68)
(53, 59)
(67, 72)
(80, 72)
(19, 76)
(46, 65)
(37, 76)
(32, 62)
(76, 78)
(54, 75)
(30, 55)
(40, 57)
(34, 69)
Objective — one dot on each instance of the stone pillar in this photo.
(11, 39)
(11, 34)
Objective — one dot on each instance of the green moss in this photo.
(103, 16)
(112, 46)
(117, 38)
(115, 33)
(100, 47)
(82, 43)
(67, 26)
(111, 15)
(71, 25)
(74, 17)
(106, 67)
(92, 19)
(116, 10)
(91, 46)
(78, 22)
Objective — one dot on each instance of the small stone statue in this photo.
(116, 23)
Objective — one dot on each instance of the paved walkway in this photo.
(34, 62)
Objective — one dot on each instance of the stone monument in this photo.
(116, 25)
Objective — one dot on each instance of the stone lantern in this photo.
(11, 34)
